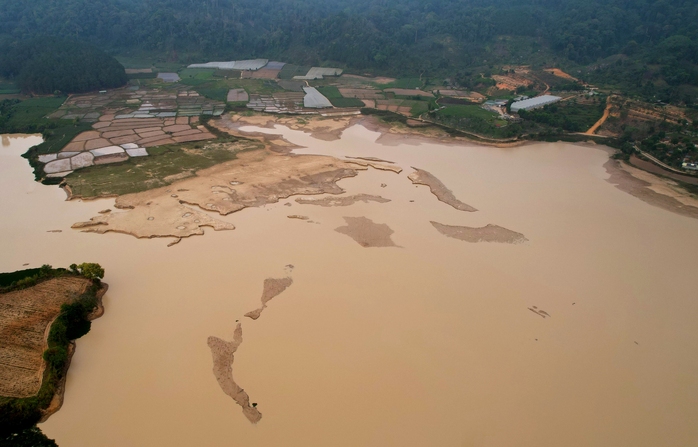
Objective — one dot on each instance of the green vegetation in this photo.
(336, 98)
(151, 75)
(568, 116)
(20, 414)
(30, 437)
(219, 94)
(9, 280)
(649, 46)
(20, 116)
(164, 165)
(410, 83)
(330, 92)
(467, 111)
(475, 120)
(29, 116)
(8, 88)
(196, 76)
(288, 71)
(347, 102)
(417, 107)
(48, 65)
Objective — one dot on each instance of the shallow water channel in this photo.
(430, 342)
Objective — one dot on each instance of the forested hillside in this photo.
(48, 65)
(653, 40)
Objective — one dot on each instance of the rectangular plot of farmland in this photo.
(263, 73)
(169, 77)
(320, 72)
(237, 95)
(361, 93)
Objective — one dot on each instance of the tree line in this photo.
(48, 65)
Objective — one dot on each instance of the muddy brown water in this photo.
(432, 343)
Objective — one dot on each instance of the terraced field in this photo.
(25, 316)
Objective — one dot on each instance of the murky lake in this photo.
(428, 343)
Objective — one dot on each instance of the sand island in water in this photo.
(488, 233)
(223, 356)
(367, 233)
(422, 177)
(343, 200)
(272, 288)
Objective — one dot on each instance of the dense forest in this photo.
(648, 46)
(48, 65)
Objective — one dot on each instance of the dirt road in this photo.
(603, 119)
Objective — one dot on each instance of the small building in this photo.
(534, 103)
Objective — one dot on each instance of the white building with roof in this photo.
(534, 103)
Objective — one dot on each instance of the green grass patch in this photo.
(165, 165)
(417, 107)
(152, 75)
(195, 76)
(402, 83)
(332, 93)
(568, 116)
(8, 88)
(235, 74)
(219, 94)
(30, 112)
(467, 111)
(347, 102)
(259, 86)
(289, 71)
(329, 91)
(168, 67)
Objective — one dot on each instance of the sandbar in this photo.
(223, 353)
(272, 288)
(488, 233)
(445, 195)
(367, 233)
(342, 200)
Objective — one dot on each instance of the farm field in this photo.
(405, 107)
(8, 88)
(569, 116)
(33, 110)
(150, 101)
(165, 165)
(467, 111)
(337, 98)
(24, 319)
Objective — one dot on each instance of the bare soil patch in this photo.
(25, 317)
(511, 82)
(560, 74)
(255, 178)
